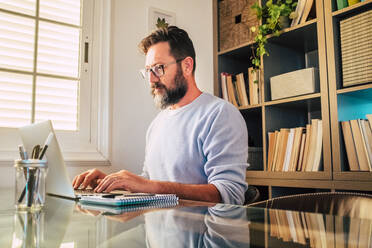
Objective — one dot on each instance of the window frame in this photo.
(91, 144)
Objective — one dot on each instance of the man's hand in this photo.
(88, 178)
(124, 180)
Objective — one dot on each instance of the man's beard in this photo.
(169, 96)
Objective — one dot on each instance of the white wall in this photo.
(133, 107)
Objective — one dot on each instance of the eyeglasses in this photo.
(157, 70)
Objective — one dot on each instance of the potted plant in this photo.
(274, 16)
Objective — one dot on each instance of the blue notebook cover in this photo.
(128, 199)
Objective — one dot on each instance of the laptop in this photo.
(57, 180)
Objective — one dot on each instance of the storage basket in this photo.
(356, 49)
(236, 17)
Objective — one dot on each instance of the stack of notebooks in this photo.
(358, 143)
(130, 199)
(296, 149)
(356, 49)
(234, 88)
(113, 210)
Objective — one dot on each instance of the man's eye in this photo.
(157, 68)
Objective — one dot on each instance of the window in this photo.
(50, 69)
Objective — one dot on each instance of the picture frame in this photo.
(155, 13)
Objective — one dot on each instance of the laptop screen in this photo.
(57, 181)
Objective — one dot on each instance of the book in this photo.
(299, 11)
(312, 145)
(253, 79)
(359, 146)
(240, 83)
(236, 93)
(301, 155)
(341, 4)
(367, 137)
(128, 199)
(369, 117)
(295, 148)
(231, 90)
(318, 146)
(282, 149)
(309, 4)
(276, 150)
(270, 155)
(306, 151)
(349, 146)
(288, 150)
(224, 86)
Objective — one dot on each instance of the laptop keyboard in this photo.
(84, 192)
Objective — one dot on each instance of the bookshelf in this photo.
(313, 43)
(346, 103)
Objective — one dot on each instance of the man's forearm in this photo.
(197, 192)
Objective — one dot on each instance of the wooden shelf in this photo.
(292, 99)
(256, 106)
(303, 183)
(302, 37)
(318, 175)
(353, 175)
(355, 88)
(246, 44)
(356, 7)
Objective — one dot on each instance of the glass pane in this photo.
(15, 99)
(16, 42)
(21, 6)
(58, 50)
(67, 11)
(57, 100)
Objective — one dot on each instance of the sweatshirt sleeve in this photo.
(226, 149)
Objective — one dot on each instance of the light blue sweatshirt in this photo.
(204, 142)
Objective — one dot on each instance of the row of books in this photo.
(296, 149)
(312, 230)
(345, 3)
(304, 10)
(234, 88)
(358, 143)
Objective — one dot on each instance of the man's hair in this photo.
(179, 42)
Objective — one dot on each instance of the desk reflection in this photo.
(218, 226)
(44, 228)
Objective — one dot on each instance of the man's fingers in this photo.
(88, 179)
(112, 186)
(104, 183)
(78, 180)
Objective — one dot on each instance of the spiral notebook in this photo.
(114, 210)
(128, 199)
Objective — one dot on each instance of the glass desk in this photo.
(63, 223)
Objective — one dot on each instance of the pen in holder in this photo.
(30, 183)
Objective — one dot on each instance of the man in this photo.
(196, 147)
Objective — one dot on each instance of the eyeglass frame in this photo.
(144, 72)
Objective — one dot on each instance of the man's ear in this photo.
(187, 66)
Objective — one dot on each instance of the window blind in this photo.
(40, 43)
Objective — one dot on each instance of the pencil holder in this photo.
(30, 184)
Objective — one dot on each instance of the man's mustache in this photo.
(158, 85)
